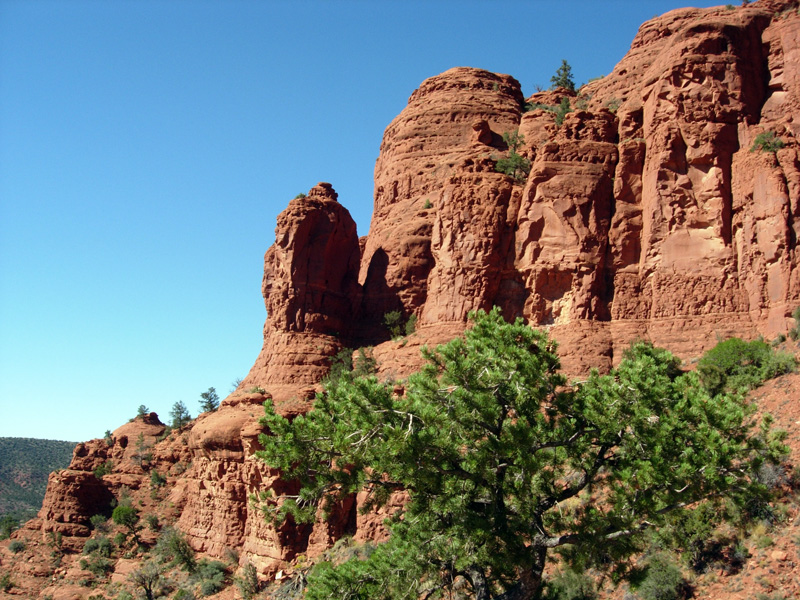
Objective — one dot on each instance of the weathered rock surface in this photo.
(645, 215)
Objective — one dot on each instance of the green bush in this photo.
(514, 165)
(411, 324)
(394, 323)
(172, 546)
(128, 517)
(8, 523)
(152, 522)
(300, 196)
(341, 365)
(184, 594)
(365, 363)
(735, 365)
(794, 332)
(613, 104)
(211, 575)
(562, 110)
(100, 545)
(248, 583)
(99, 523)
(5, 582)
(663, 579)
(157, 479)
(569, 585)
(767, 141)
(17, 546)
(103, 469)
(427, 204)
(97, 565)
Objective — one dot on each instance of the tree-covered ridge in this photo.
(25, 464)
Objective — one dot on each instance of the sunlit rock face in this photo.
(645, 214)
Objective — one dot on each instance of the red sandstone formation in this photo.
(645, 214)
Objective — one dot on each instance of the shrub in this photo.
(427, 204)
(613, 104)
(152, 522)
(767, 141)
(248, 583)
(184, 594)
(5, 582)
(300, 196)
(794, 332)
(128, 517)
(394, 323)
(173, 547)
(514, 165)
(101, 546)
(735, 365)
(341, 365)
(99, 523)
(157, 479)
(763, 541)
(562, 110)
(97, 566)
(569, 585)
(8, 524)
(411, 325)
(663, 579)
(103, 469)
(164, 434)
(17, 546)
(365, 363)
(211, 575)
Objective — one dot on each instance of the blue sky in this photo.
(147, 147)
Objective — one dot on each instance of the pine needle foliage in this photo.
(504, 463)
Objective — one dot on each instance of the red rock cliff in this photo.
(645, 214)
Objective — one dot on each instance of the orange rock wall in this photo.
(645, 214)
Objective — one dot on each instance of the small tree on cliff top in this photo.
(503, 463)
(209, 401)
(180, 415)
(563, 77)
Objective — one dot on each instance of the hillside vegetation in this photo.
(24, 467)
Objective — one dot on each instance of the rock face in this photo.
(645, 214)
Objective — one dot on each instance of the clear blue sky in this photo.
(147, 147)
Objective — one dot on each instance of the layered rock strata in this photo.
(645, 214)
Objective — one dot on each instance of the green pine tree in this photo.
(504, 463)
(563, 77)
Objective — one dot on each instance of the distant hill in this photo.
(25, 464)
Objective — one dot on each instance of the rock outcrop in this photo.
(645, 214)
